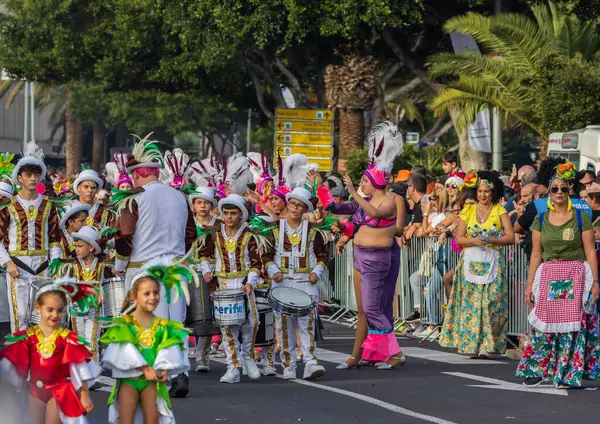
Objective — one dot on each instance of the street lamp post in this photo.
(497, 119)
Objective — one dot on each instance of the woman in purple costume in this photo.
(376, 221)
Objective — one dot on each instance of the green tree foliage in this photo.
(479, 82)
(567, 93)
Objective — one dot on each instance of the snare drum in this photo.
(229, 306)
(37, 287)
(265, 336)
(114, 296)
(289, 301)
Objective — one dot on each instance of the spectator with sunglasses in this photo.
(545, 172)
(562, 289)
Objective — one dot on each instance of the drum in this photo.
(37, 286)
(229, 306)
(265, 336)
(199, 317)
(114, 296)
(4, 305)
(289, 301)
(261, 295)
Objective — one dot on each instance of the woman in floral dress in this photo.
(562, 286)
(476, 319)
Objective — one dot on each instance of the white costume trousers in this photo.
(19, 291)
(231, 337)
(88, 327)
(286, 330)
(203, 344)
(287, 325)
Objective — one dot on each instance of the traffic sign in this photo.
(306, 150)
(304, 126)
(412, 138)
(304, 114)
(304, 138)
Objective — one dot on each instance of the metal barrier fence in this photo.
(422, 266)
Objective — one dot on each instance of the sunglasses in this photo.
(454, 186)
(555, 189)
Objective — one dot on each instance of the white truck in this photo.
(582, 147)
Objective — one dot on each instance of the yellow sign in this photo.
(294, 138)
(304, 126)
(306, 150)
(304, 114)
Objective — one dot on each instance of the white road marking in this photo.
(505, 385)
(368, 399)
(413, 352)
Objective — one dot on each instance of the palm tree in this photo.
(517, 44)
(351, 87)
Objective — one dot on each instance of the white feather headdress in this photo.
(295, 170)
(238, 174)
(177, 166)
(384, 144)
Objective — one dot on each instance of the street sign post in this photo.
(305, 131)
(412, 138)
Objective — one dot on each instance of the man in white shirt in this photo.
(155, 225)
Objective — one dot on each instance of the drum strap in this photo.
(21, 264)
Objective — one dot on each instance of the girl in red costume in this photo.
(57, 361)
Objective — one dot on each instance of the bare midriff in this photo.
(381, 238)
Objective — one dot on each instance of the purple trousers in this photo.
(378, 275)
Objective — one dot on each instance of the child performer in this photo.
(301, 254)
(72, 219)
(203, 201)
(237, 266)
(143, 349)
(88, 265)
(57, 362)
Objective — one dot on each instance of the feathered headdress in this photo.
(384, 143)
(145, 154)
(295, 170)
(282, 189)
(177, 168)
(32, 155)
(204, 173)
(259, 165)
(116, 173)
(81, 294)
(174, 276)
(238, 174)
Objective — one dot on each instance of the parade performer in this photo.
(116, 173)
(377, 220)
(562, 288)
(154, 222)
(56, 361)
(89, 265)
(86, 186)
(476, 320)
(30, 233)
(203, 202)
(143, 349)
(300, 255)
(237, 264)
(72, 219)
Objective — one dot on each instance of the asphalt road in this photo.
(435, 386)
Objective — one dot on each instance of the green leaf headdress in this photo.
(174, 277)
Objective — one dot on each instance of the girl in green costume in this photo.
(143, 350)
